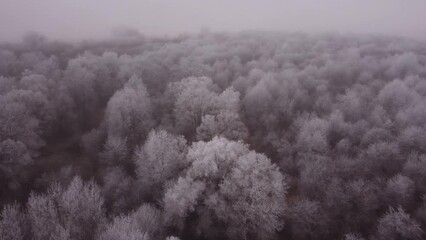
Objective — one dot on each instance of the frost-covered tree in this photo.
(415, 169)
(118, 190)
(251, 199)
(123, 228)
(115, 151)
(159, 160)
(17, 122)
(13, 223)
(240, 189)
(312, 136)
(71, 213)
(128, 114)
(181, 199)
(14, 162)
(195, 98)
(305, 219)
(225, 124)
(353, 236)
(397, 224)
(400, 191)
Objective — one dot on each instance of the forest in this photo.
(256, 135)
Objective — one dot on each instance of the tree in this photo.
(123, 228)
(363, 201)
(150, 220)
(195, 98)
(181, 199)
(315, 176)
(128, 114)
(118, 189)
(8, 63)
(18, 124)
(227, 184)
(227, 124)
(306, 220)
(397, 224)
(92, 141)
(161, 159)
(251, 199)
(312, 136)
(14, 160)
(115, 152)
(415, 169)
(383, 158)
(396, 96)
(214, 159)
(71, 213)
(353, 236)
(13, 223)
(400, 191)
(45, 217)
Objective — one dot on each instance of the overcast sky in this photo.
(83, 19)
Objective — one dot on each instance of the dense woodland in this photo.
(251, 135)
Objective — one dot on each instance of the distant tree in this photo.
(37, 83)
(400, 65)
(6, 84)
(396, 96)
(8, 63)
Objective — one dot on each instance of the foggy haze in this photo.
(82, 19)
(205, 120)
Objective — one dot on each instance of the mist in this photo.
(206, 120)
(81, 19)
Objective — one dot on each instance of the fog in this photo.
(202, 120)
(88, 19)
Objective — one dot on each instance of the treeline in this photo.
(255, 135)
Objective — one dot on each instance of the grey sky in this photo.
(82, 19)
